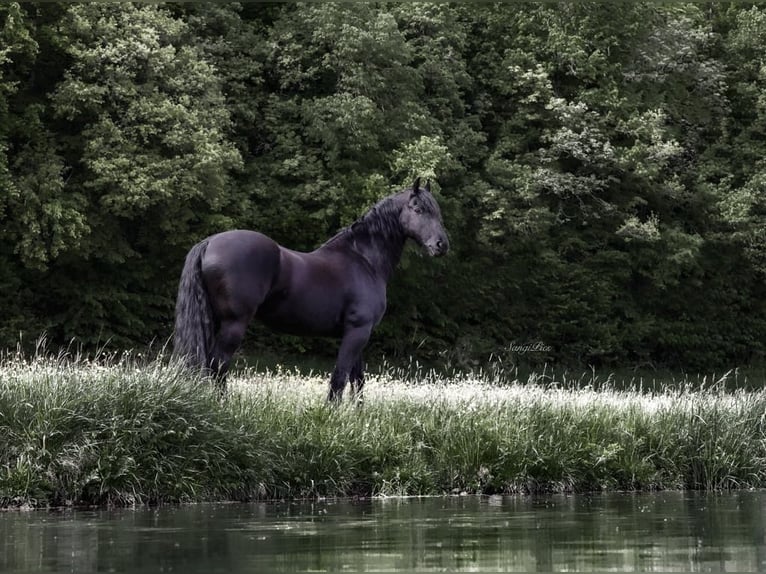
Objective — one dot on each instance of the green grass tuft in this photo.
(123, 431)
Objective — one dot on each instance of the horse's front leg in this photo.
(351, 346)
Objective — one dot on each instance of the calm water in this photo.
(666, 531)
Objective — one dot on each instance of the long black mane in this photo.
(377, 235)
(381, 220)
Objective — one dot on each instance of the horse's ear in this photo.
(428, 185)
(416, 186)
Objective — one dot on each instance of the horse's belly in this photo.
(296, 319)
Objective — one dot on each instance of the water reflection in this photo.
(660, 532)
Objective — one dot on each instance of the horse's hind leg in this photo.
(356, 377)
(230, 334)
(239, 269)
(234, 315)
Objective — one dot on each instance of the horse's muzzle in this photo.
(438, 248)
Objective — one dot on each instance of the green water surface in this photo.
(669, 531)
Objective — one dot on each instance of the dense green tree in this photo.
(600, 166)
(39, 223)
(124, 156)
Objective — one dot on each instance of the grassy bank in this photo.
(76, 432)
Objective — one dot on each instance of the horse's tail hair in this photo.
(194, 327)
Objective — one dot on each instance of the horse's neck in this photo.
(378, 236)
(382, 253)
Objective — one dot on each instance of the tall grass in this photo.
(123, 431)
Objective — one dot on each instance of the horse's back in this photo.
(240, 249)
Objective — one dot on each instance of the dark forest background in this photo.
(600, 166)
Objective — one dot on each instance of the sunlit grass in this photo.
(125, 431)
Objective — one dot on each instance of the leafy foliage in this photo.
(600, 167)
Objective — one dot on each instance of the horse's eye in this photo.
(417, 209)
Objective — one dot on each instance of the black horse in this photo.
(338, 290)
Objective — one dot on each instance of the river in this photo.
(668, 531)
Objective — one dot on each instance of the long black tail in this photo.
(194, 316)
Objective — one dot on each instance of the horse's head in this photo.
(421, 219)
